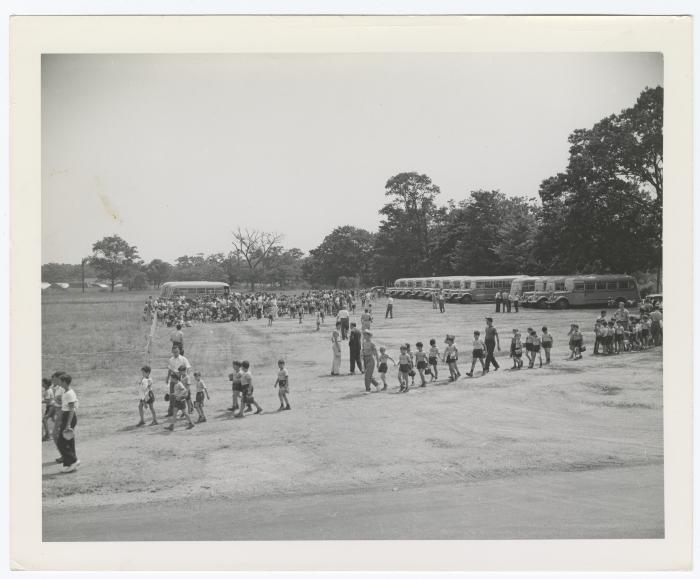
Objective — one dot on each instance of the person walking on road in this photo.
(355, 343)
(369, 358)
(491, 341)
(335, 344)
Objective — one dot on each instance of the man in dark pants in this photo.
(68, 421)
(498, 301)
(389, 308)
(491, 341)
(355, 343)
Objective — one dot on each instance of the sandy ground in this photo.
(573, 450)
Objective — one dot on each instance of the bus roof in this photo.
(212, 284)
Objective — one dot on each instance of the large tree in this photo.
(255, 249)
(604, 212)
(158, 271)
(114, 258)
(345, 252)
(402, 244)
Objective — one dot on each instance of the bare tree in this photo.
(255, 248)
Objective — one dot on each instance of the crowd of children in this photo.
(614, 334)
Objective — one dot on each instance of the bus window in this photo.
(528, 286)
(488, 285)
(590, 285)
(623, 284)
(612, 285)
(480, 285)
(579, 286)
(559, 286)
(600, 285)
(467, 285)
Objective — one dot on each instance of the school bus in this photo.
(591, 290)
(399, 288)
(534, 291)
(485, 288)
(193, 288)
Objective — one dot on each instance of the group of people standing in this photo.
(505, 301)
(60, 418)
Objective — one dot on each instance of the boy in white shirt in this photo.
(68, 421)
(146, 396)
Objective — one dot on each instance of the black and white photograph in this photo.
(376, 296)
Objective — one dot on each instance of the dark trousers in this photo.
(498, 306)
(441, 303)
(67, 447)
(515, 305)
(507, 305)
(344, 327)
(389, 311)
(355, 359)
(171, 401)
(490, 348)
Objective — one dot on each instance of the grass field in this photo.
(573, 450)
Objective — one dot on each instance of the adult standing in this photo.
(441, 302)
(623, 315)
(389, 308)
(507, 301)
(516, 302)
(499, 299)
(369, 358)
(335, 345)
(435, 300)
(344, 319)
(355, 343)
(599, 323)
(491, 341)
(68, 421)
(174, 363)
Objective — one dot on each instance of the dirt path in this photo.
(610, 504)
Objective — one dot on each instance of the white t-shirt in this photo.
(68, 397)
(283, 375)
(175, 363)
(144, 385)
(391, 300)
(343, 314)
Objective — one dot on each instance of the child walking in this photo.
(383, 367)
(49, 408)
(535, 341)
(433, 356)
(179, 395)
(404, 369)
(421, 362)
(547, 342)
(478, 348)
(282, 383)
(450, 357)
(247, 386)
(146, 396)
(516, 351)
(200, 392)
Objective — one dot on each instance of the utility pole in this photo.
(82, 267)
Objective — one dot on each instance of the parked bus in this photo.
(591, 290)
(193, 288)
(484, 288)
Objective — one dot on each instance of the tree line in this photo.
(603, 213)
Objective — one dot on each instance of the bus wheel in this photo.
(563, 304)
(542, 304)
(466, 299)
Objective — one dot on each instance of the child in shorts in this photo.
(528, 348)
(200, 392)
(478, 348)
(547, 343)
(282, 383)
(404, 369)
(433, 356)
(146, 396)
(536, 346)
(179, 395)
(421, 362)
(49, 408)
(516, 351)
(411, 372)
(619, 337)
(450, 357)
(383, 367)
(185, 379)
(247, 386)
(575, 342)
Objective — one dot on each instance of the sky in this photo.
(174, 152)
